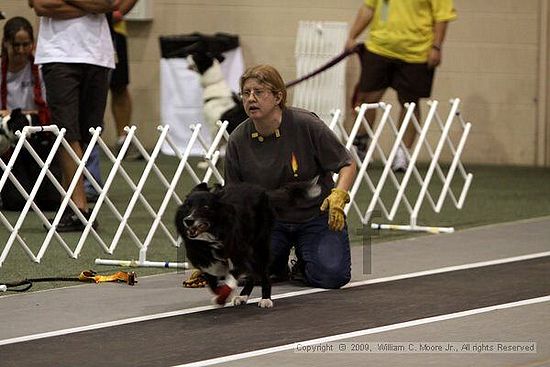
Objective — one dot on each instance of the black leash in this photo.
(26, 284)
(355, 49)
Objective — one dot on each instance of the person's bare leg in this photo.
(369, 97)
(362, 140)
(410, 133)
(69, 167)
(121, 107)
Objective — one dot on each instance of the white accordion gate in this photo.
(390, 178)
(210, 155)
(434, 176)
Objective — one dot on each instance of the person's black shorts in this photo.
(77, 96)
(120, 76)
(411, 80)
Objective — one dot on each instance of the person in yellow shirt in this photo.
(403, 48)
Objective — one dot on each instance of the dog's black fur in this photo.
(227, 231)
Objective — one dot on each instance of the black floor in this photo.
(210, 334)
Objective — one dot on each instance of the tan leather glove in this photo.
(335, 203)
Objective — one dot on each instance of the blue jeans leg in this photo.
(93, 166)
(325, 253)
(281, 243)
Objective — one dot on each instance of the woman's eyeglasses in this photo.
(258, 93)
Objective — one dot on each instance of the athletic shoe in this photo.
(70, 223)
(132, 153)
(203, 165)
(400, 162)
(361, 143)
(297, 268)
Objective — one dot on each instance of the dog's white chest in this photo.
(220, 266)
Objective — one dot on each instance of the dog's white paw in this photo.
(240, 300)
(265, 303)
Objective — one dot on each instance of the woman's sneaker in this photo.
(361, 143)
(297, 268)
(132, 154)
(69, 222)
(400, 162)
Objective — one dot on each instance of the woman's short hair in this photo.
(269, 76)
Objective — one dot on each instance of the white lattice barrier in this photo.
(316, 44)
(434, 176)
(210, 155)
(433, 124)
(104, 202)
(14, 230)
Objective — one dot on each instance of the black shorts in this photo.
(120, 76)
(411, 80)
(77, 96)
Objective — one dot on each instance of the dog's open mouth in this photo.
(197, 229)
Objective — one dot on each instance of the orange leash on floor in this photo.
(24, 285)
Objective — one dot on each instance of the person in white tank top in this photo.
(75, 51)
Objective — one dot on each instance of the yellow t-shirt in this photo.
(403, 29)
(120, 27)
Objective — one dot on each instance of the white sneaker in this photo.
(203, 165)
(400, 162)
(133, 154)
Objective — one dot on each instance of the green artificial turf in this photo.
(498, 194)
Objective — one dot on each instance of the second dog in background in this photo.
(220, 103)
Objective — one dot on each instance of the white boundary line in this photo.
(463, 230)
(354, 334)
(450, 268)
(277, 296)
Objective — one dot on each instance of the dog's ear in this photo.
(216, 189)
(203, 186)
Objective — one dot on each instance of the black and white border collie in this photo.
(227, 231)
